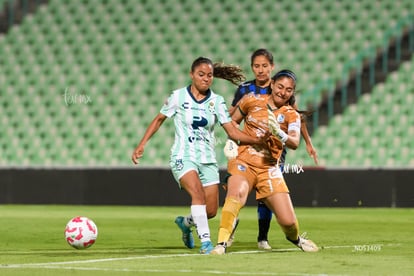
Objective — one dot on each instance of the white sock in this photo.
(199, 215)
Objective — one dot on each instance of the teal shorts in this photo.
(208, 173)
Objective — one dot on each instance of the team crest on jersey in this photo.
(179, 165)
(211, 107)
(241, 168)
(280, 118)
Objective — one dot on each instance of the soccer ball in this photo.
(81, 232)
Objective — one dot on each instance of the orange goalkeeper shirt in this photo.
(254, 109)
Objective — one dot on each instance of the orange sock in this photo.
(229, 214)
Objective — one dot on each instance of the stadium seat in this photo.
(128, 58)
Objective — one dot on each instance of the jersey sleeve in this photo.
(293, 121)
(245, 103)
(170, 105)
(222, 112)
(237, 96)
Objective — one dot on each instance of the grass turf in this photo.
(145, 241)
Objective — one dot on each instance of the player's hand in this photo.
(137, 154)
(230, 149)
(312, 153)
(274, 127)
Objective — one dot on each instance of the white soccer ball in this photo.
(81, 232)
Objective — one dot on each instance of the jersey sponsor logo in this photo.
(185, 105)
(199, 122)
(197, 138)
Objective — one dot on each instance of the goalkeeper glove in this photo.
(231, 149)
(274, 127)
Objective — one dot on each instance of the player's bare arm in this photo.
(152, 128)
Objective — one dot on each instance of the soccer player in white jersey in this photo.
(196, 110)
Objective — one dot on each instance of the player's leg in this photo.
(264, 215)
(179, 169)
(209, 176)
(281, 205)
(232, 235)
(235, 225)
(212, 200)
(191, 183)
(237, 192)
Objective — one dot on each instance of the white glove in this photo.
(230, 149)
(274, 127)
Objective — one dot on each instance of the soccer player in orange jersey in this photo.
(257, 167)
(262, 65)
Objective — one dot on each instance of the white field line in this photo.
(58, 265)
(168, 271)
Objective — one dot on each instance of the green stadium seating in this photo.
(374, 132)
(127, 59)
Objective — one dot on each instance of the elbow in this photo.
(294, 146)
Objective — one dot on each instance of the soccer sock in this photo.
(292, 232)
(229, 214)
(188, 221)
(199, 215)
(264, 215)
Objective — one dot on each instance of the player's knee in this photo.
(287, 222)
(211, 214)
(211, 211)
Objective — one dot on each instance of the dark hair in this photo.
(285, 73)
(232, 73)
(292, 100)
(200, 60)
(261, 52)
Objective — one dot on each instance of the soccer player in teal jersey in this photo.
(196, 110)
(197, 142)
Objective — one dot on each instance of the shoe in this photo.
(307, 245)
(264, 245)
(187, 236)
(206, 247)
(220, 249)
(231, 239)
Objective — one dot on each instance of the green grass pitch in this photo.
(145, 241)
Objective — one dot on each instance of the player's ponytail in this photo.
(232, 73)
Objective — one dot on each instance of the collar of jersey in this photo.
(192, 96)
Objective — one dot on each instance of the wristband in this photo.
(282, 135)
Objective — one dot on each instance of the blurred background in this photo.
(81, 80)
